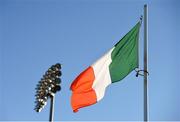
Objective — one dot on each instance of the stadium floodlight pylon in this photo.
(47, 88)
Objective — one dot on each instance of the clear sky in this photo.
(34, 34)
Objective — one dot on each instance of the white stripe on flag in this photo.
(102, 75)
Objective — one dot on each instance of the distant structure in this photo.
(47, 88)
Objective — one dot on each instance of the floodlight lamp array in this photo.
(47, 86)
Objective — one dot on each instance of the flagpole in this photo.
(146, 114)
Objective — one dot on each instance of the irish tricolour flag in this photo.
(89, 87)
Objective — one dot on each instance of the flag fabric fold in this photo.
(89, 87)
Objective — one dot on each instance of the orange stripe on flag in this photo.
(83, 93)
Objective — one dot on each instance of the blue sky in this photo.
(34, 34)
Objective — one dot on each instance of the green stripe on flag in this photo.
(125, 55)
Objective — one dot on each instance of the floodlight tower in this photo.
(47, 88)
